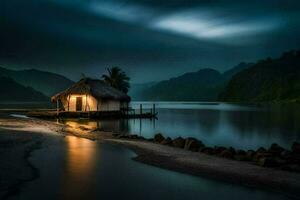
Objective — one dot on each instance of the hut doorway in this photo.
(78, 103)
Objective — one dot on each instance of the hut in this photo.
(91, 95)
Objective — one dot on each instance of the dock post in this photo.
(141, 109)
(154, 109)
(57, 109)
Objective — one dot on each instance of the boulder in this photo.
(250, 154)
(115, 134)
(158, 138)
(150, 140)
(240, 152)
(232, 150)
(291, 167)
(286, 155)
(133, 136)
(261, 150)
(122, 136)
(178, 142)
(207, 150)
(296, 148)
(141, 138)
(275, 149)
(192, 144)
(241, 155)
(167, 141)
(219, 150)
(270, 162)
(258, 156)
(227, 154)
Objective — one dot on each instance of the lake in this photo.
(76, 168)
(240, 126)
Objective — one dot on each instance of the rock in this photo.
(133, 136)
(250, 154)
(286, 154)
(232, 150)
(240, 152)
(150, 140)
(241, 157)
(275, 149)
(158, 137)
(192, 144)
(261, 150)
(295, 159)
(178, 142)
(122, 136)
(219, 150)
(258, 156)
(270, 162)
(141, 138)
(167, 141)
(227, 154)
(296, 148)
(291, 167)
(115, 134)
(207, 150)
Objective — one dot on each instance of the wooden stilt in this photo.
(57, 107)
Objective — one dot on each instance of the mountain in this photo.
(137, 89)
(45, 82)
(10, 91)
(203, 85)
(267, 80)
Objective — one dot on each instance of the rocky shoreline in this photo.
(211, 166)
(275, 156)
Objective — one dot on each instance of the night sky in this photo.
(150, 39)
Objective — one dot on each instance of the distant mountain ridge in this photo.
(11, 91)
(203, 85)
(267, 80)
(46, 82)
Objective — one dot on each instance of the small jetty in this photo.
(129, 113)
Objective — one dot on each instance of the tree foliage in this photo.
(117, 78)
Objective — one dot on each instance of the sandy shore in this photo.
(201, 164)
(18, 139)
(194, 163)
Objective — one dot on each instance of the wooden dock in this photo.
(92, 114)
(128, 113)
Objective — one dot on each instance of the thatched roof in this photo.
(93, 87)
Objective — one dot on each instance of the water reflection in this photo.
(79, 167)
(215, 124)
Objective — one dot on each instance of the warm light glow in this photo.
(79, 165)
(88, 102)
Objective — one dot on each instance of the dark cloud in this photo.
(152, 40)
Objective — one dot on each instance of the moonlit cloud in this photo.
(207, 26)
(198, 23)
(123, 12)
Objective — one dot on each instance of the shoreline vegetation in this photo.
(179, 154)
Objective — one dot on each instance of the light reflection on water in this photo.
(240, 126)
(77, 168)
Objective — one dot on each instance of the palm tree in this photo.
(117, 79)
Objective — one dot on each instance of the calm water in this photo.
(240, 126)
(76, 168)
